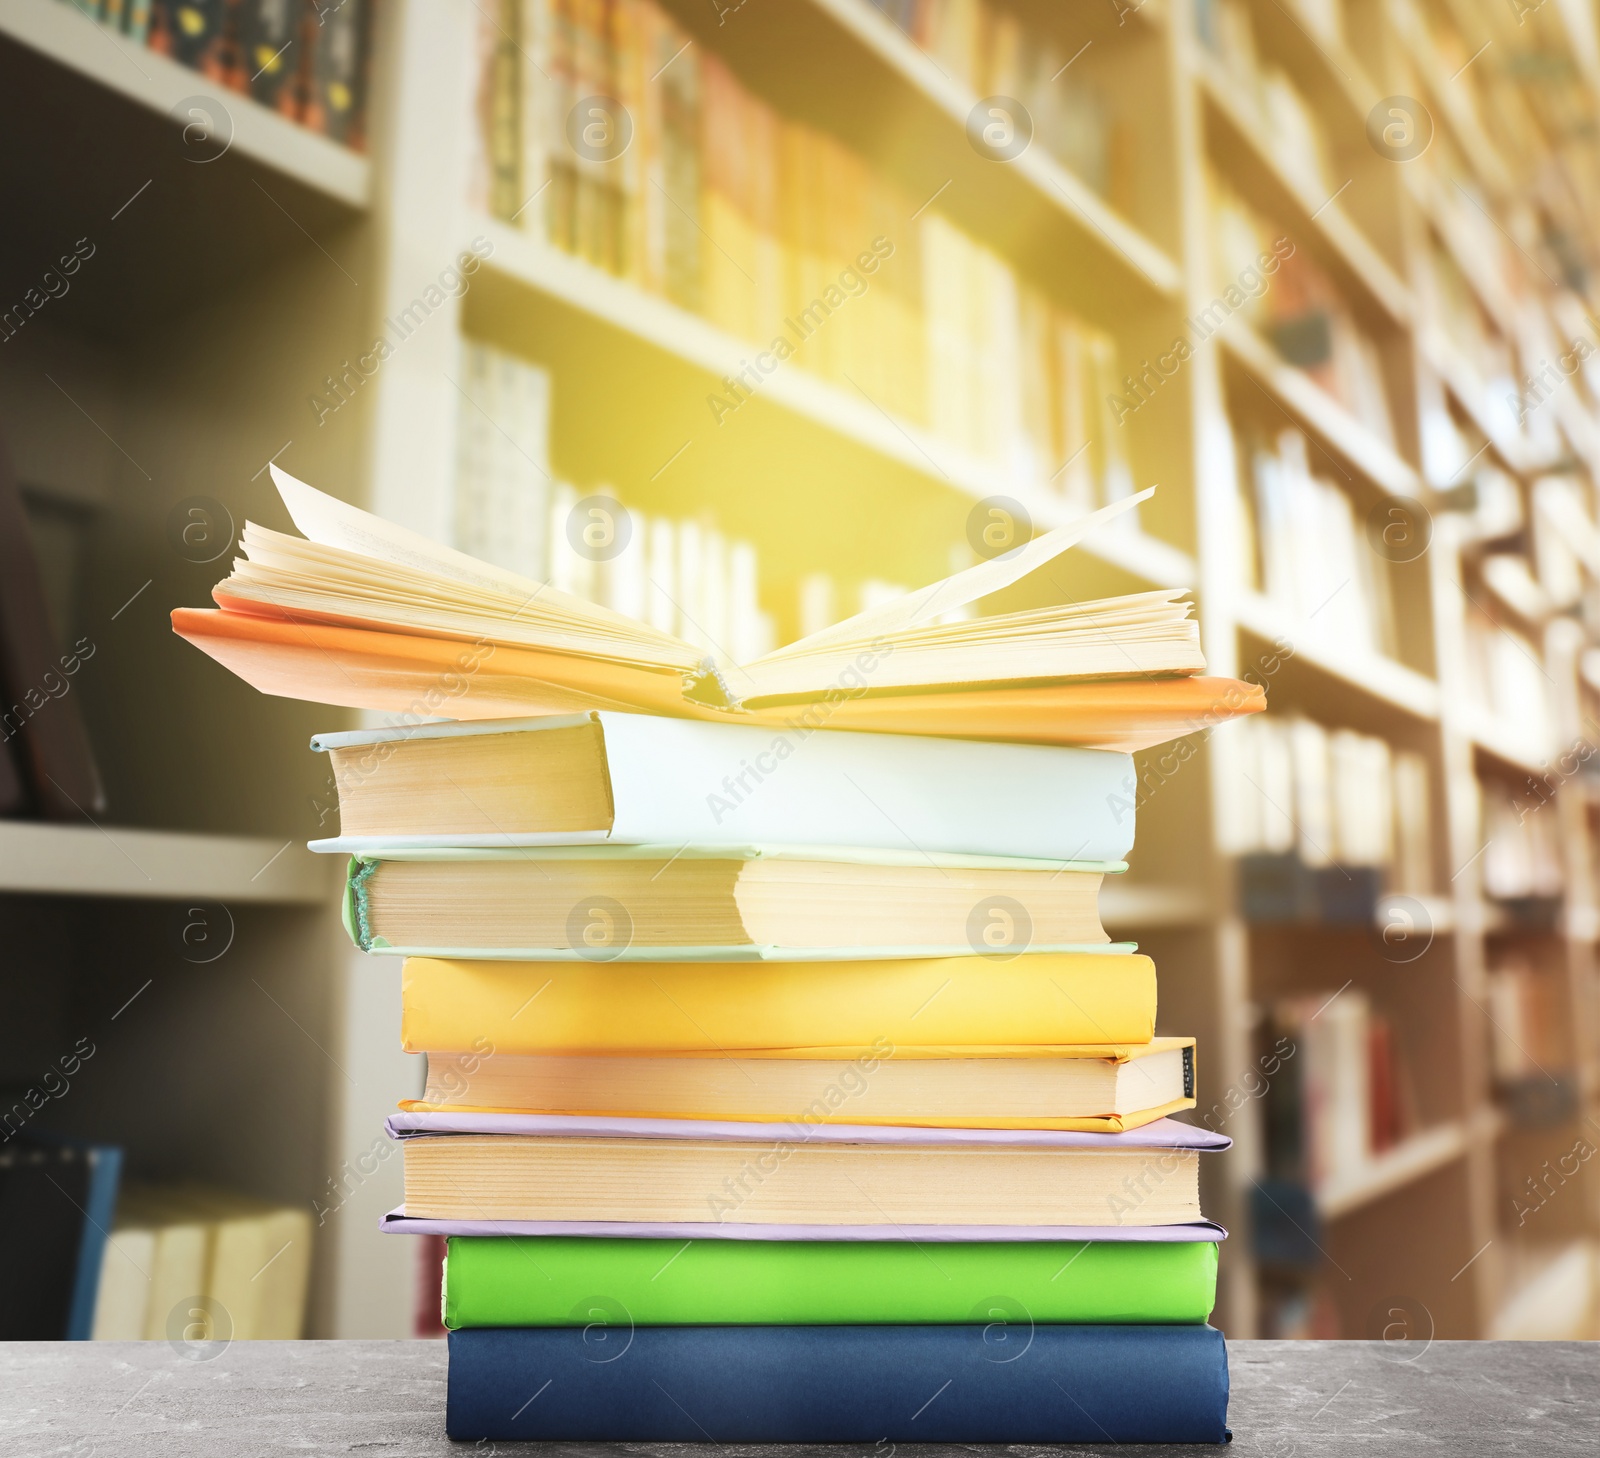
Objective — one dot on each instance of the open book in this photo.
(362, 612)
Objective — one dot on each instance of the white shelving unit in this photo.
(223, 306)
(70, 39)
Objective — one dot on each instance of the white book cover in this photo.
(685, 783)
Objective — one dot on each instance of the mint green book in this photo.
(719, 904)
(573, 1281)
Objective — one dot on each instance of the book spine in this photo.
(335, 101)
(1001, 1379)
(273, 37)
(100, 1208)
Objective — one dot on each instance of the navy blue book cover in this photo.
(1004, 1382)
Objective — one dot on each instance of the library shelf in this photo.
(1398, 910)
(169, 215)
(1472, 142)
(68, 37)
(847, 67)
(1501, 741)
(1322, 65)
(525, 262)
(119, 861)
(1336, 430)
(1392, 684)
(1393, 1170)
(1338, 244)
(1552, 1294)
(1131, 907)
(1489, 291)
(1076, 199)
(1513, 452)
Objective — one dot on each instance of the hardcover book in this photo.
(1035, 1000)
(563, 1280)
(575, 779)
(658, 1171)
(1100, 1088)
(998, 1379)
(666, 903)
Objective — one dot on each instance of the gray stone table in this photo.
(386, 1400)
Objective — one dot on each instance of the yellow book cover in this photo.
(694, 1007)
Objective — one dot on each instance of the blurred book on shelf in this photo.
(1325, 821)
(682, 577)
(993, 52)
(1281, 117)
(1521, 860)
(1478, 350)
(1507, 679)
(682, 181)
(1309, 551)
(1296, 308)
(1554, 1292)
(304, 59)
(56, 1199)
(1530, 1050)
(1340, 1096)
(196, 1264)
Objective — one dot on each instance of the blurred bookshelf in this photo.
(1351, 422)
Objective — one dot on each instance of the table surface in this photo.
(386, 1400)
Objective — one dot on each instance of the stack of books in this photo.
(783, 1084)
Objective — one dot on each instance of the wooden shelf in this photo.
(1440, 911)
(1393, 1170)
(1335, 428)
(1130, 908)
(70, 39)
(164, 865)
(1322, 67)
(1503, 742)
(686, 337)
(1427, 192)
(1555, 1295)
(174, 228)
(842, 66)
(1472, 142)
(1513, 451)
(1390, 683)
(1339, 245)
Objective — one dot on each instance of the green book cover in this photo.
(576, 1281)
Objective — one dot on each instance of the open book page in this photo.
(1053, 646)
(923, 606)
(359, 568)
(356, 568)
